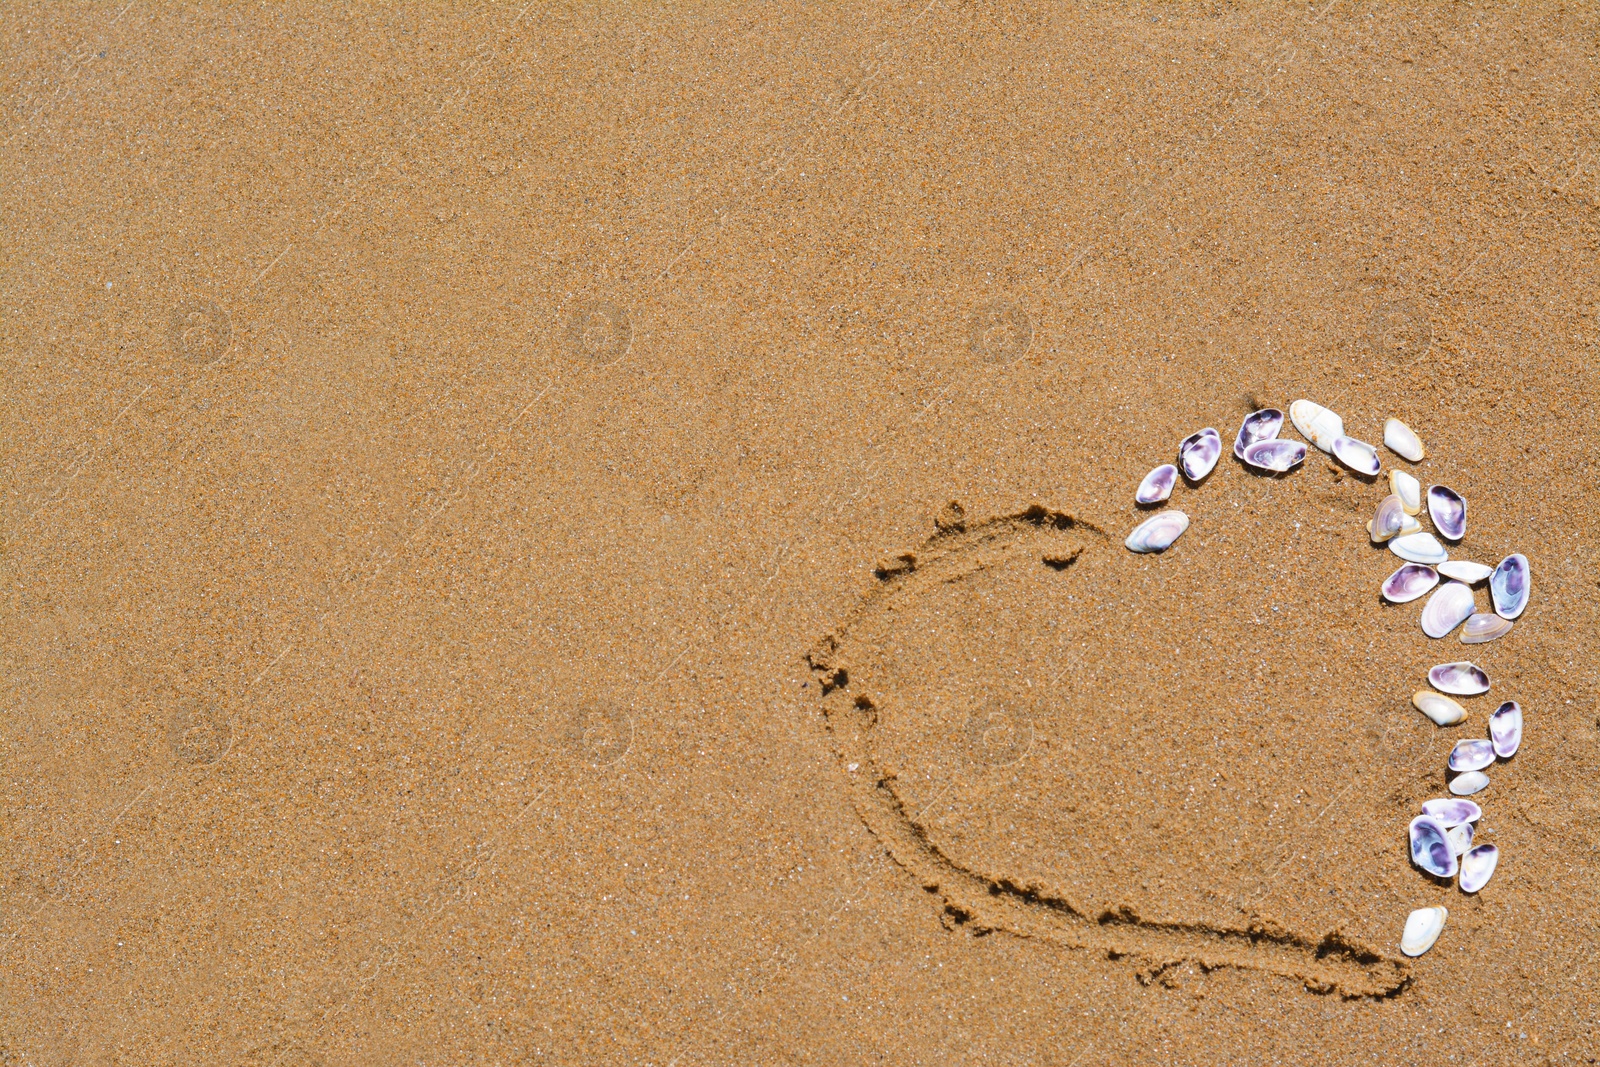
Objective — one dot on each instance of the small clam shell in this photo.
(1401, 441)
(1357, 455)
(1157, 485)
(1509, 586)
(1473, 754)
(1505, 729)
(1407, 488)
(1423, 927)
(1452, 811)
(1464, 785)
(1465, 571)
(1157, 532)
(1316, 423)
(1477, 867)
(1275, 455)
(1389, 520)
(1481, 629)
(1419, 548)
(1446, 609)
(1460, 837)
(1448, 510)
(1198, 453)
(1409, 582)
(1260, 425)
(1441, 709)
(1430, 848)
(1462, 679)
(1410, 526)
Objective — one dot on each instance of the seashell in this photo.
(1407, 488)
(1419, 548)
(1452, 811)
(1430, 848)
(1477, 866)
(1481, 629)
(1423, 927)
(1441, 709)
(1198, 454)
(1157, 485)
(1260, 425)
(1465, 571)
(1410, 526)
(1316, 423)
(1401, 441)
(1157, 533)
(1509, 586)
(1505, 729)
(1473, 754)
(1464, 785)
(1448, 510)
(1460, 837)
(1389, 520)
(1461, 678)
(1446, 609)
(1357, 455)
(1275, 455)
(1409, 582)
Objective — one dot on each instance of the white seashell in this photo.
(1357, 455)
(1275, 455)
(1473, 754)
(1464, 785)
(1260, 425)
(1198, 454)
(1410, 525)
(1423, 927)
(1441, 709)
(1419, 548)
(1481, 629)
(1448, 510)
(1409, 582)
(1407, 488)
(1465, 571)
(1430, 847)
(1452, 811)
(1446, 609)
(1509, 586)
(1316, 423)
(1401, 441)
(1389, 520)
(1157, 533)
(1461, 678)
(1505, 729)
(1460, 837)
(1157, 485)
(1477, 867)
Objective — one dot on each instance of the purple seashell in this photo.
(1198, 454)
(1430, 847)
(1459, 679)
(1452, 811)
(1357, 455)
(1157, 533)
(1260, 425)
(1448, 510)
(1274, 455)
(1471, 755)
(1157, 485)
(1446, 609)
(1509, 586)
(1409, 582)
(1505, 729)
(1477, 866)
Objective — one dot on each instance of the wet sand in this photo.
(587, 536)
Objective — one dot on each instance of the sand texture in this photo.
(592, 535)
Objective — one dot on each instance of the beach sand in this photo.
(585, 535)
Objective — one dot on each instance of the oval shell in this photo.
(1460, 837)
(1357, 455)
(1473, 754)
(1423, 927)
(1505, 729)
(1430, 847)
(1447, 608)
(1452, 811)
(1198, 454)
(1464, 785)
(1260, 425)
(1509, 586)
(1275, 455)
(1419, 548)
(1316, 423)
(1407, 488)
(1409, 582)
(1441, 709)
(1481, 629)
(1402, 441)
(1461, 678)
(1390, 519)
(1463, 570)
(1157, 485)
(1157, 533)
(1448, 510)
(1477, 867)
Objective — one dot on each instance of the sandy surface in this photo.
(471, 584)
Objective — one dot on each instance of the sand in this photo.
(586, 535)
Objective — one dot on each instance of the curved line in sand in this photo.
(1332, 963)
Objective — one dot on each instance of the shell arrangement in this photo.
(1439, 839)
